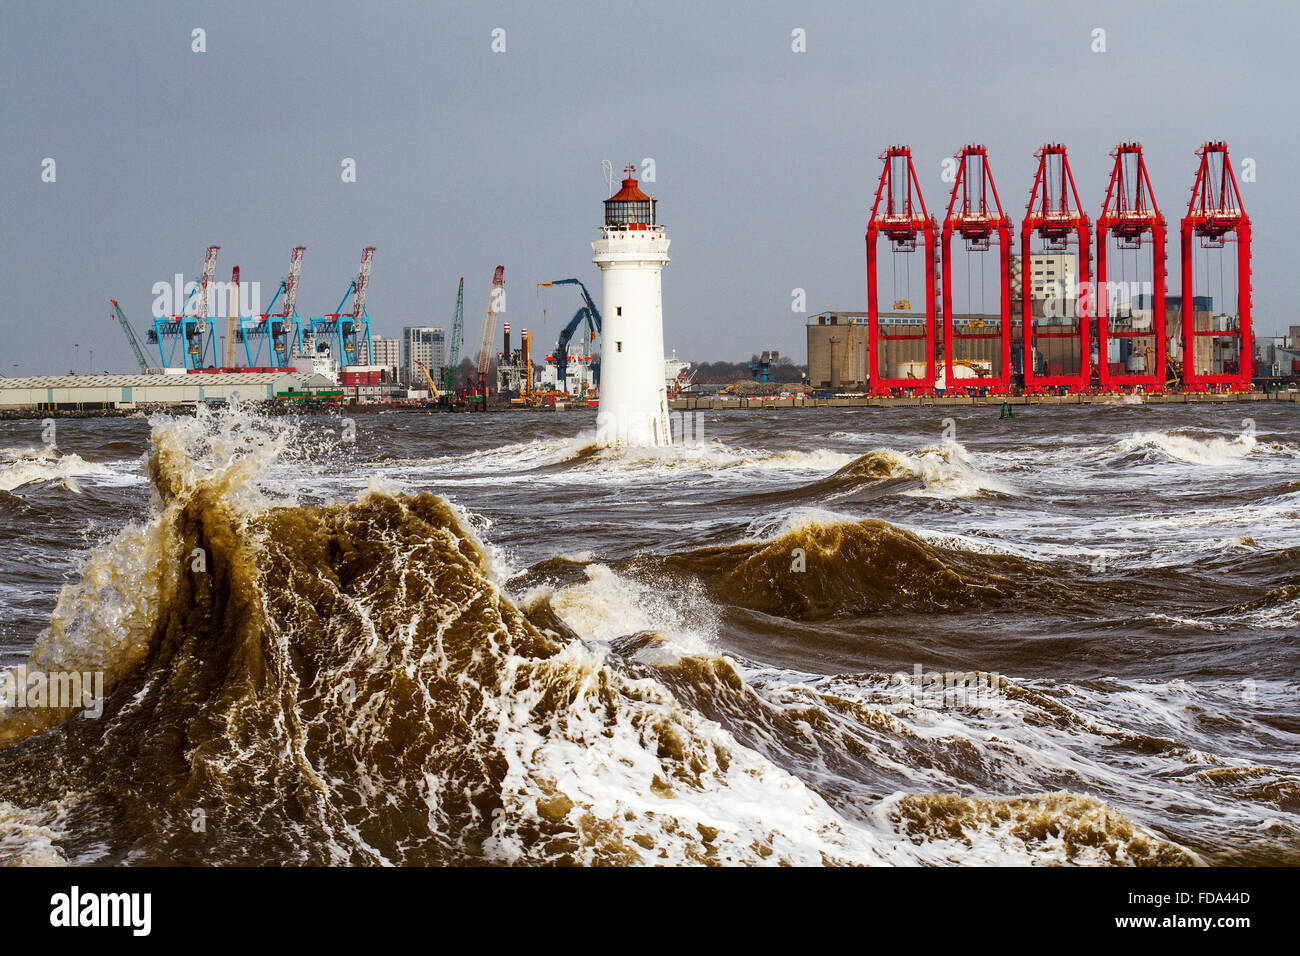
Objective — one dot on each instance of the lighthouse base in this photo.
(643, 425)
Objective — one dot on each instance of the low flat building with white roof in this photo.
(72, 392)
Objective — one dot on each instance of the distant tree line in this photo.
(724, 373)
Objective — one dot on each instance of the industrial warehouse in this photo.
(102, 392)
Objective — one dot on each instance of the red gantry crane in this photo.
(1055, 215)
(902, 219)
(1214, 211)
(1130, 215)
(971, 217)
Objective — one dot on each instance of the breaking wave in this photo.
(944, 471)
(816, 566)
(350, 683)
(44, 465)
(1156, 445)
(584, 453)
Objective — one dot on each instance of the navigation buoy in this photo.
(1006, 411)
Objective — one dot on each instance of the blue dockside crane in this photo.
(589, 313)
(185, 333)
(280, 336)
(347, 334)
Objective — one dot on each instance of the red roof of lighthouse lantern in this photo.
(630, 208)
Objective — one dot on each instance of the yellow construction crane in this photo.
(525, 354)
(433, 389)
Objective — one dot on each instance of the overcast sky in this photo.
(765, 159)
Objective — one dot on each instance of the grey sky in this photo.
(766, 159)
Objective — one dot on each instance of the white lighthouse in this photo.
(631, 253)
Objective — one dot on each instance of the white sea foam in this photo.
(709, 457)
(28, 837)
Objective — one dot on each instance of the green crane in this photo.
(451, 370)
(130, 336)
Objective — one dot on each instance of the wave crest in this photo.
(1185, 448)
(813, 569)
(944, 471)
